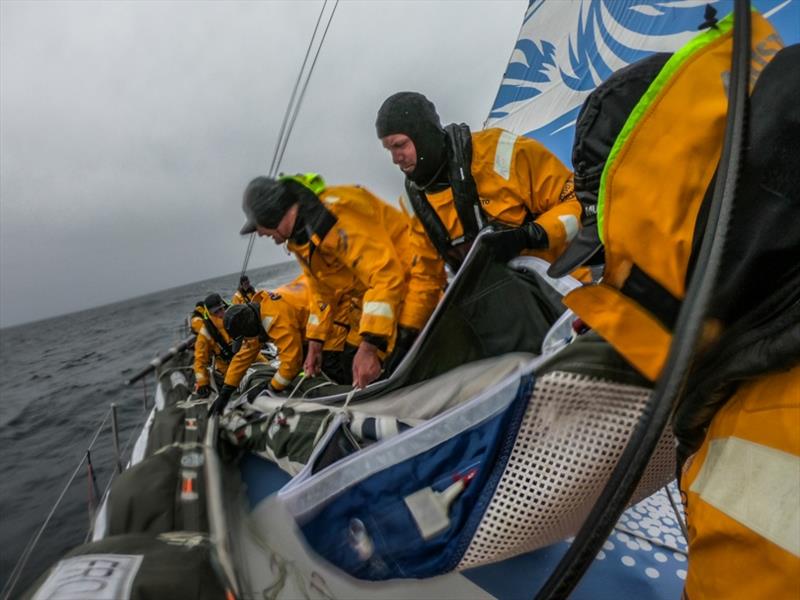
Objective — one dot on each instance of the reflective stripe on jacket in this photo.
(367, 254)
(517, 178)
(743, 496)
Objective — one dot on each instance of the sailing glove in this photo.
(405, 339)
(203, 391)
(535, 236)
(222, 400)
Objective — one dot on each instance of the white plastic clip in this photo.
(430, 508)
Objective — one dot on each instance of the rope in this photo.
(273, 166)
(293, 108)
(23, 560)
(297, 387)
(285, 140)
(26, 553)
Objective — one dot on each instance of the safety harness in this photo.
(225, 350)
(465, 197)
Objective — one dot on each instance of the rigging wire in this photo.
(16, 572)
(285, 140)
(289, 107)
(293, 107)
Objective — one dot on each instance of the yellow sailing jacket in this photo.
(284, 320)
(195, 323)
(516, 177)
(206, 350)
(652, 186)
(238, 297)
(742, 491)
(345, 312)
(742, 486)
(368, 255)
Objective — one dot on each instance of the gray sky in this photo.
(128, 130)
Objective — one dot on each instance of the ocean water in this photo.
(57, 381)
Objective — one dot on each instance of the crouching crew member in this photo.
(458, 181)
(246, 292)
(280, 317)
(213, 345)
(348, 241)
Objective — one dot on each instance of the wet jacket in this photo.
(284, 319)
(345, 312)
(736, 421)
(359, 245)
(195, 323)
(241, 298)
(207, 349)
(517, 180)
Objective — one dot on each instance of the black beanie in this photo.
(242, 320)
(412, 114)
(265, 202)
(213, 301)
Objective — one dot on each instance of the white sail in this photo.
(566, 49)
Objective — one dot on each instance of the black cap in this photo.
(242, 320)
(412, 114)
(214, 301)
(265, 202)
(244, 279)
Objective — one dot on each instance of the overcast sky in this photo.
(128, 130)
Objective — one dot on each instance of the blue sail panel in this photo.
(566, 49)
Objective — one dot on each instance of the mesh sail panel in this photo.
(573, 433)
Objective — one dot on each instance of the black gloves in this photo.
(536, 236)
(203, 391)
(509, 243)
(405, 339)
(222, 400)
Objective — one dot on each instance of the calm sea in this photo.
(58, 378)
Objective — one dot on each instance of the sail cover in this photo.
(566, 49)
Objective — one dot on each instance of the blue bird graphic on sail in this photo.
(550, 74)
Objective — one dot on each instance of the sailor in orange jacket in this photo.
(212, 346)
(348, 242)
(737, 423)
(458, 181)
(283, 314)
(195, 319)
(274, 318)
(245, 292)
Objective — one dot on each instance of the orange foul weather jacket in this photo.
(206, 349)
(741, 486)
(284, 313)
(240, 298)
(365, 251)
(517, 178)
